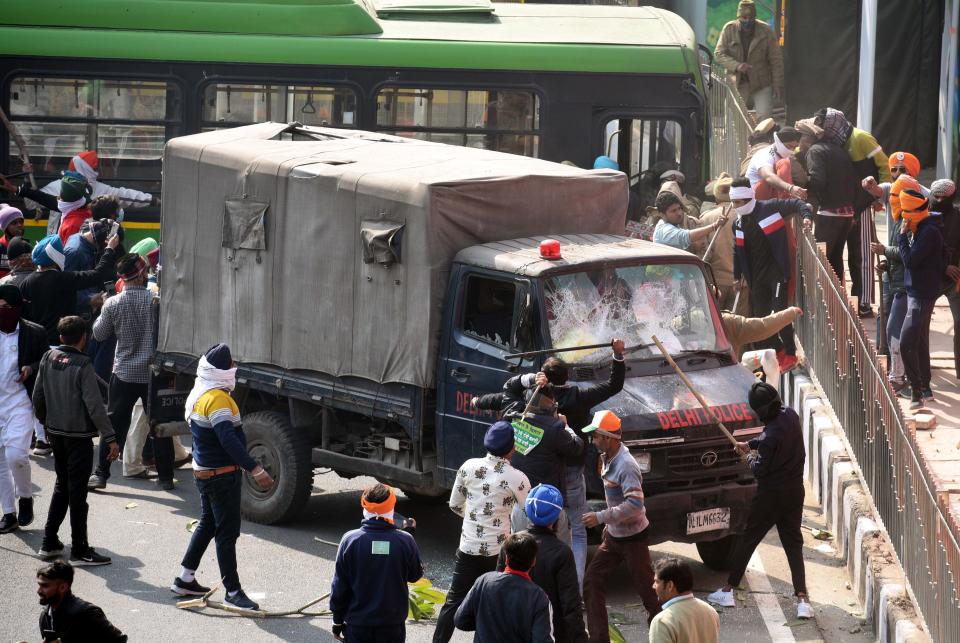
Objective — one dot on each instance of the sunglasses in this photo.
(898, 168)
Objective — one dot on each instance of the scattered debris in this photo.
(825, 549)
(922, 422)
(821, 534)
(130, 505)
(192, 525)
(855, 629)
(326, 542)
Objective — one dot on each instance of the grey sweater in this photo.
(625, 514)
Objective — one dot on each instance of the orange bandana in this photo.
(383, 509)
(914, 208)
(904, 182)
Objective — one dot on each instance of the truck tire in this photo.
(715, 554)
(421, 496)
(285, 454)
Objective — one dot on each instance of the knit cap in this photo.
(49, 251)
(219, 356)
(73, 187)
(88, 156)
(942, 189)
(18, 247)
(543, 505)
(765, 401)
(498, 439)
(8, 214)
(144, 247)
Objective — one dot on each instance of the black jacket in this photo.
(547, 461)
(573, 401)
(505, 607)
(950, 218)
(556, 574)
(833, 179)
(923, 259)
(50, 295)
(77, 621)
(31, 346)
(781, 453)
(67, 398)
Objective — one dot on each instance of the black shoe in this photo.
(50, 551)
(193, 588)
(182, 461)
(96, 482)
(925, 393)
(25, 511)
(865, 312)
(42, 448)
(165, 485)
(8, 523)
(916, 400)
(88, 558)
(240, 600)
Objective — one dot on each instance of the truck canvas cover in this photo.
(329, 250)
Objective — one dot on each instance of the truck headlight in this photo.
(643, 459)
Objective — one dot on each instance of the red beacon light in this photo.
(550, 249)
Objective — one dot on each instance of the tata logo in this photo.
(709, 459)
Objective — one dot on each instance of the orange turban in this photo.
(914, 207)
(904, 182)
(907, 160)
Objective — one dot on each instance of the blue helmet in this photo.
(544, 504)
(605, 163)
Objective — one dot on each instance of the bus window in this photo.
(127, 122)
(645, 148)
(230, 104)
(506, 121)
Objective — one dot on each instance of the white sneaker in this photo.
(722, 598)
(804, 610)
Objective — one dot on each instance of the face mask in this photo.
(747, 208)
(746, 24)
(782, 150)
(9, 318)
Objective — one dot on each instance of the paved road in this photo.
(145, 531)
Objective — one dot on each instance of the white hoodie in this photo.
(129, 198)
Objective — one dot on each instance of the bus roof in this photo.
(329, 32)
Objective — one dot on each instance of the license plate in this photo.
(708, 520)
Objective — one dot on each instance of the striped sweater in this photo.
(626, 514)
(218, 439)
(769, 216)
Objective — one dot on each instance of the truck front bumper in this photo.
(667, 512)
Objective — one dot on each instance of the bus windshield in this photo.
(633, 303)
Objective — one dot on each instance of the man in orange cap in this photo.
(369, 595)
(921, 249)
(625, 527)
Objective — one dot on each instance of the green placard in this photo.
(381, 548)
(525, 436)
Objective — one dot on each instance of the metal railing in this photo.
(844, 364)
(730, 126)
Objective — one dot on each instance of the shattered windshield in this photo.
(670, 301)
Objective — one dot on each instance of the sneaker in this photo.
(906, 392)
(8, 523)
(96, 482)
(49, 551)
(25, 511)
(240, 600)
(165, 485)
(925, 393)
(899, 385)
(916, 400)
(193, 588)
(804, 610)
(865, 312)
(722, 598)
(42, 448)
(788, 363)
(88, 558)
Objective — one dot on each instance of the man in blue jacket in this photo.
(761, 255)
(368, 596)
(921, 250)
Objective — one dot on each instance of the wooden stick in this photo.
(21, 145)
(696, 393)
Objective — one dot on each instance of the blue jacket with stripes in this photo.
(769, 216)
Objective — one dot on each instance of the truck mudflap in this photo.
(697, 516)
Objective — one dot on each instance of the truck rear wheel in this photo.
(715, 554)
(285, 454)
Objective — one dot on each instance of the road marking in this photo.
(767, 602)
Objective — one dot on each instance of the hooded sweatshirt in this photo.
(129, 198)
(218, 439)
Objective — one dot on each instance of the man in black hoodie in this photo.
(833, 186)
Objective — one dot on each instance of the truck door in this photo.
(483, 326)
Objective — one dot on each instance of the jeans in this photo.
(466, 570)
(766, 298)
(780, 507)
(73, 463)
(611, 555)
(915, 342)
(833, 231)
(219, 520)
(375, 634)
(898, 311)
(576, 506)
(763, 103)
(122, 398)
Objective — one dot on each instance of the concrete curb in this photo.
(875, 575)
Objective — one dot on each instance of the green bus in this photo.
(559, 82)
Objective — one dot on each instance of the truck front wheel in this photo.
(715, 554)
(285, 454)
